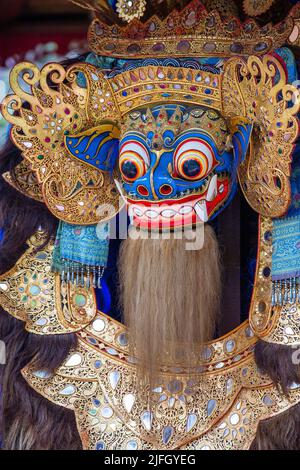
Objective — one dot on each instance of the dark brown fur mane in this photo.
(29, 421)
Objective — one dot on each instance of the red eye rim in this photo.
(204, 154)
(137, 154)
(140, 167)
(183, 159)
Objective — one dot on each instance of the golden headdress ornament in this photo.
(62, 118)
(169, 28)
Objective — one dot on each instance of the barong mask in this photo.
(178, 165)
(68, 125)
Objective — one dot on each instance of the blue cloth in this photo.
(86, 245)
(286, 231)
(286, 248)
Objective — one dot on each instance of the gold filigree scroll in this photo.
(48, 105)
(220, 411)
(32, 293)
(258, 88)
(285, 328)
(24, 180)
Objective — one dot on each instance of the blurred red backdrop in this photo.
(26, 23)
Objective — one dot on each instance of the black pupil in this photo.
(129, 169)
(191, 167)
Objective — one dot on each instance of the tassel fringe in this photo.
(82, 275)
(286, 291)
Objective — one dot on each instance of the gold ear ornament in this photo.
(48, 105)
(259, 89)
(23, 179)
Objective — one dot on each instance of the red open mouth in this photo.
(188, 210)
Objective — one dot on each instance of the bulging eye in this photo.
(133, 161)
(193, 159)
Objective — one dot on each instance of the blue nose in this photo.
(164, 185)
(161, 187)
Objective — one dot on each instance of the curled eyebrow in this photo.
(139, 137)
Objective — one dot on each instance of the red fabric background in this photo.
(20, 43)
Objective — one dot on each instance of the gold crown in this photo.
(146, 86)
(192, 32)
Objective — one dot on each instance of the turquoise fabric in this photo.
(286, 248)
(86, 245)
(286, 230)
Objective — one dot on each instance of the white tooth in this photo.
(212, 190)
(201, 210)
(137, 211)
(151, 214)
(130, 211)
(221, 188)
(185, 209)
(168, 213)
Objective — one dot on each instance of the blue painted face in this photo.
(177, 166)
